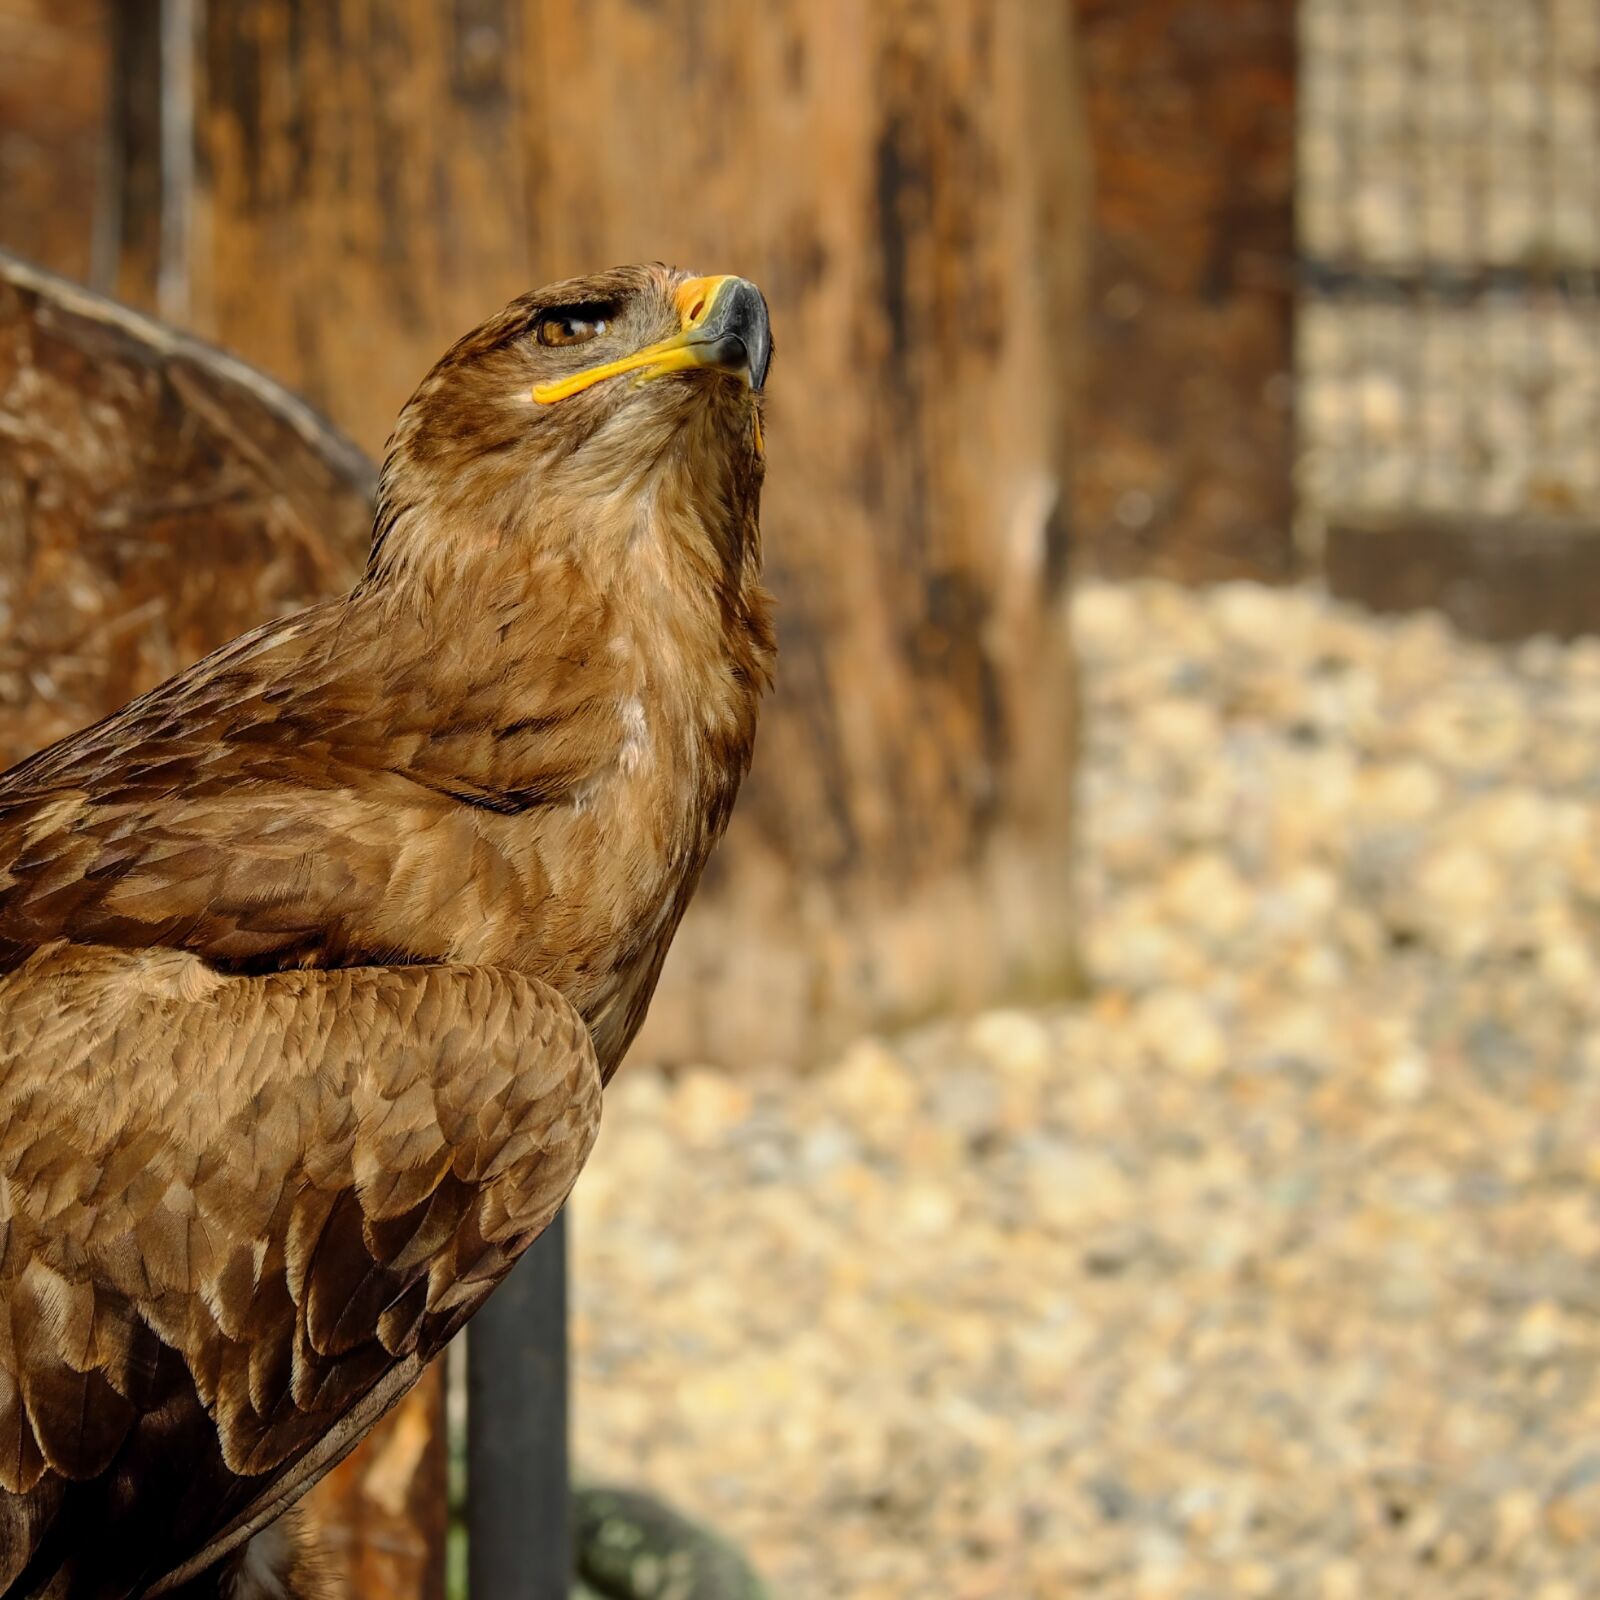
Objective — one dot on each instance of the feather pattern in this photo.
(315, 958)
(266, 1278)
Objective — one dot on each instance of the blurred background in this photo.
(1123, 1118)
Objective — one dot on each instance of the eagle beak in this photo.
(724, 325)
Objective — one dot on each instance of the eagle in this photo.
(315, 959)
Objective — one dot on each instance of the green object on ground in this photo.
(632, 1547)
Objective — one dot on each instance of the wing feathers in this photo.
(79, 1420)
(229, 1205)
(21, 1459)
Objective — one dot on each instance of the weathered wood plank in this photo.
(156, 499)
(361, 190)
(54, 92)
(1188, 447)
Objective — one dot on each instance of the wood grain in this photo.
(1188, 448)
(156, 498)
(367, 163)
(55, 92)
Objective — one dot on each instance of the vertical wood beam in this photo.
(134, 201)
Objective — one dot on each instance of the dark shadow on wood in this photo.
(128, 227)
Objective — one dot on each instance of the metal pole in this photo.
(519, 1528)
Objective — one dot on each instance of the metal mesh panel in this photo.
(1449, 228)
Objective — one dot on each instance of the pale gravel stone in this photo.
(1270, 1266)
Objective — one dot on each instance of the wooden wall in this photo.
(1188, 447)
(382, 233)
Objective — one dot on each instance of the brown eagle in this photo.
(314, 959)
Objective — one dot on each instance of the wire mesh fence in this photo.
(1449, 229)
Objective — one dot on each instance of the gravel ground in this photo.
(1269, 1268)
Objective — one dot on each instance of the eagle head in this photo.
(565, 417)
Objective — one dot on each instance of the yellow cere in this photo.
(694, 301)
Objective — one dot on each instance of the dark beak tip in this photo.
(750, 323)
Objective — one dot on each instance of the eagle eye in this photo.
(572, 325)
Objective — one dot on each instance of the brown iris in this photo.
(569, 327)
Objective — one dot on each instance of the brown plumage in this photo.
(314, 959)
